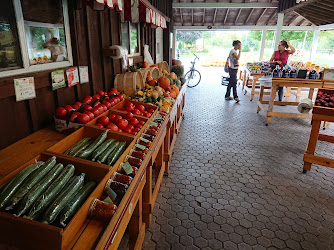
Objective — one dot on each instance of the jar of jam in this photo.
(134, 171)
(137, 154)
(154, 127)
(134, 161)
(151, 132)
(145, 142)
(121, 178)
(148, 137)
(102, 210)
(141, 148)
(115, 190)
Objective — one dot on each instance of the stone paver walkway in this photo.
(236, 184)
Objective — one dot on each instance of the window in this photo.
(130, 37)
(37, 40)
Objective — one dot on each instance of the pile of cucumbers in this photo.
(101, 150)
(47, 192)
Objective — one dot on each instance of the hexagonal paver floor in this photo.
(236, 184)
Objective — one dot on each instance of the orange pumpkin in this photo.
(154, 66)
(144, 64)
(172, 94)
(164, 82)
(149, 76)
(175, 89)
(152, 82)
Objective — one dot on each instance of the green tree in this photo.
(188, 37)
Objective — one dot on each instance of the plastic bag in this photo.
(147, 55)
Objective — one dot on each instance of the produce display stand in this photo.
(253, 77)
(83, 232)
(319, 114)
(286, 82)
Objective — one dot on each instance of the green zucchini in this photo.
(29, 199)
(88, 151)
(63, 198)
(53, 190)
(97, 152)
(76, 146)
(116, 153)
(76, 152)
(10, 189)
(31, 181)
(104, 156)
(73, 206)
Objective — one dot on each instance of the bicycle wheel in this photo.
(193, 78)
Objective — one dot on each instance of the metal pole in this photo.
(279, 29)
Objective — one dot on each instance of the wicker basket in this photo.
(155, 73)
(129, 82)
(163, 66)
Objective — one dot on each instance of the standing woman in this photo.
(280, 57)
(233, 59)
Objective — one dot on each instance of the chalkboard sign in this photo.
(328, 75)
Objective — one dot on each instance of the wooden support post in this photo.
(279, 29)
(271, 103)
(312, 143)
(135, 225)
(147, 197)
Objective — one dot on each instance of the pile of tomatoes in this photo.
(137, 109)
(90, 107)
(126, 123)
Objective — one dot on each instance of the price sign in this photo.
(24, 88)
(142, 147)
(328, 75)
(127, 168)
(144, 140)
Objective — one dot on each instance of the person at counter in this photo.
(280, 57)
(233, 59)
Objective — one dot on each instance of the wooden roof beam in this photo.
(293, 18)
(271, 17)
(260, 16)
(214, 17)
(192, 16)
(203, 16)
(225, 5)
(181, 16)
(236, 19)
(226, 15)
(250, 13)
(299, 5)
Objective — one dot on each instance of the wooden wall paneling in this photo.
(115, 22)
(66, 96)
(95, 50)
(154, 45)
(106, 43)
(15, 123)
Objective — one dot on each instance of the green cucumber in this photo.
(73, 206)
(49, 195)
(88, 151)
(76, 146)
(104, 156)
(29, 199)
(31, 181)
(116, 153)
(9, 190)
(76, 152)
(65, 196)
(97, 152)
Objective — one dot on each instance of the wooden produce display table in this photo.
(253, 78)
(286, 82)
(319, 114)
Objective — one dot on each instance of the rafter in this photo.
(214, 17)
(226, 15)
(225, 5)
(250, 13)
(203, 16)
(293, 18)
(236, 19)
(260, 16)
(271, 17)
(181, 16)
(192, 16)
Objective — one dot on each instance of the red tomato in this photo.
(76, 105)
(136, 129)
(90, 114)
(136, 112)
(111, 117)
(97, 104)
(99, 125)
(129, 108)
(112, 103)
(134, 121)
(83, 118)
(141, 122)
(133, 133)
(88, 99)
(60, 112)
(126, 130)
(108, 105)
(117, 100)
(128, 115)
(148, 115)
(131, 127)
(68, 108)
(96, 97)
(118, 117)
(112, 127)
(120, 130)
(104, 120)
(144, 113)
(122, 123)
(151, 111)
(104, 107)
(73, 117)
(87, 107)
(96, 112)
(121, 97)
(113, 91)
(141, 108)
(138, 126)
(100, 93)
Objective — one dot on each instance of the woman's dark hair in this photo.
(236, 42)
(285, 44)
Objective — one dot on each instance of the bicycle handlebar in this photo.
(196, 56)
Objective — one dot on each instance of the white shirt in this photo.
(233, 61)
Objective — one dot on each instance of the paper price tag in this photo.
(143, 139)
(108, 200)
(111, 193)
(142, 147)
(154, 124)
(127, 168)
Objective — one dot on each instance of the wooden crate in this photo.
(93, 132)
(326, 111)
(121, 106)
(28, 234)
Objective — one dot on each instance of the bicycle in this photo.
(193, 76)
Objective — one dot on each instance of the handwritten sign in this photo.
(58, 79)
(72, 76)
(328, 75)
(83, 71)
(24, 88)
